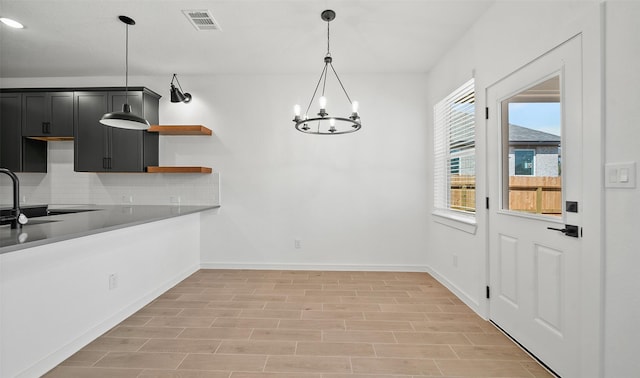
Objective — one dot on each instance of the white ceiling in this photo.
(85, 37)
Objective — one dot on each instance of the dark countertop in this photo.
(92, 220)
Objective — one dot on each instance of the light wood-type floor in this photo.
(302, 324)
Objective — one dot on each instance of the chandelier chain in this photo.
(328, 37)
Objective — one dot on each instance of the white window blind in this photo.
(454, 150)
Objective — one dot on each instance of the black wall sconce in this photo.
(177, 95)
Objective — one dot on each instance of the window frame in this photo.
(447, 122)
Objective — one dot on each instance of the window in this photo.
(524, 162)
(454, 149)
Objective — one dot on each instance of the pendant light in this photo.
(125, 119)
(323, 124)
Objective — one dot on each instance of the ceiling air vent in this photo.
(201, 19)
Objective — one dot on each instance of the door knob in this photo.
(569, 230)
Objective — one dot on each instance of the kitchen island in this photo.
(73, 276)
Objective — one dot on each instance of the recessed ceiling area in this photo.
(84, 38)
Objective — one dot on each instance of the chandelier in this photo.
(323, 124)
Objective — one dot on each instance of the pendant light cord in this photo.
(126, 67)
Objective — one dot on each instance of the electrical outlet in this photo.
(127, 199)
(297, 243)
(113, 281)
(175, 200)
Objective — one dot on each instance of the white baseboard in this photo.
(329, 267)
(461, 294)
(55, 358)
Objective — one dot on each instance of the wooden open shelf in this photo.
(180, 130)
(51, 139)
(179, 170)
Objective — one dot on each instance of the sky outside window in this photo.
(541, 116)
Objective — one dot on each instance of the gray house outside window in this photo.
(533, 152)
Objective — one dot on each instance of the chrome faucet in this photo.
(16, 217)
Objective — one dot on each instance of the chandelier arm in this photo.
(324, 84)
(323, 73)
(339, 81)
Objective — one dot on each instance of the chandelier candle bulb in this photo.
(323, 106)
(296, 112)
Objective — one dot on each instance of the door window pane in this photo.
(531, 148)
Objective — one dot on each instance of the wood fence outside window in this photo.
(532, 194)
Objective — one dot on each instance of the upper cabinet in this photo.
(99, 148)
(29, 117)
(47, 115)
(17, 153)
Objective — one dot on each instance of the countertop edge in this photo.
(79, 234)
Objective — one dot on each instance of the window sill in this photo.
(459, 221)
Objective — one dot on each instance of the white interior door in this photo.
(535, 183)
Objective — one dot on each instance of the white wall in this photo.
(55, 298)
(622, 309)
(355, 201)
(507, 37)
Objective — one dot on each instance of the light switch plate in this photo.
(620, 175)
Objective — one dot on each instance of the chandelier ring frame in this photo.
(355, 125)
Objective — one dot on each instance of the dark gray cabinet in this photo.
(98, 148)
(17, 153)
(47, 114)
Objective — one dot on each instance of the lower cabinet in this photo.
(99, 148)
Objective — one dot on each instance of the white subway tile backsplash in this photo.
(61, 185)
